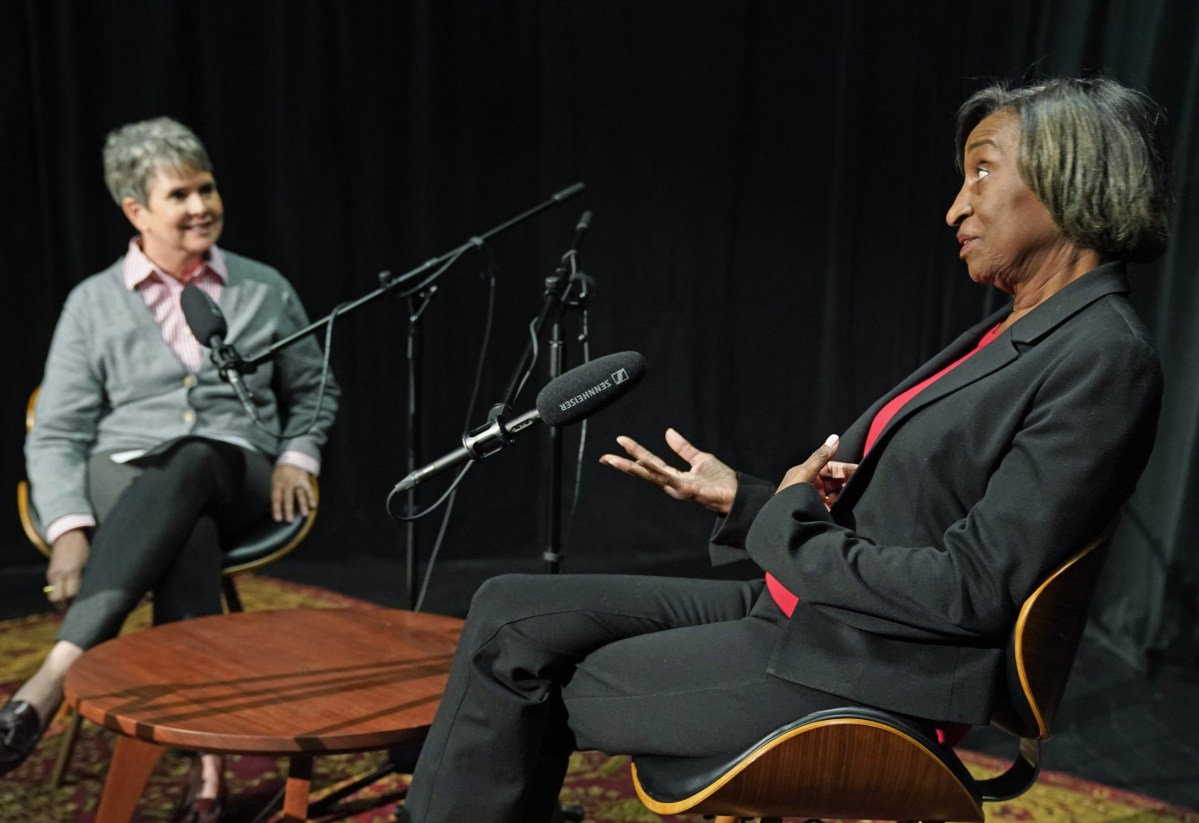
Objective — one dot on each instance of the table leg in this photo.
(66, 748)
(132, 762)
(299, 783)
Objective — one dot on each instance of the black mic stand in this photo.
(561, 287)
(551, 308)
(556, 300)
(556, 360)
(416, 307)
(553, 540)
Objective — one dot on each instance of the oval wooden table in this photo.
(294, 682)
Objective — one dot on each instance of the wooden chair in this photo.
(864, 763)
(262, 545)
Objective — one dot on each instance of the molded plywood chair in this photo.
(258, 547)
(863, 763)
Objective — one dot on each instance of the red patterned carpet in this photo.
(598, 783)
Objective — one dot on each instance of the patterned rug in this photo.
(597, 783)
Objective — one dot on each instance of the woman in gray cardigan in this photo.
(142, 458)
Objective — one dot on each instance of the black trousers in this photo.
(161, 525)
(627, 665)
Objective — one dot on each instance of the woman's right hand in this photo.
(68, 556)
(708, 481)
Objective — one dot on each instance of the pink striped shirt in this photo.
(161, 292)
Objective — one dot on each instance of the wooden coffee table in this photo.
(295, 683)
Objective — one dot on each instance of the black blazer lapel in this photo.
(853, 439)
(1030, 329)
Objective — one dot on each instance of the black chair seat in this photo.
(262, 541)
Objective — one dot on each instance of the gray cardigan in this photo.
(112, 383)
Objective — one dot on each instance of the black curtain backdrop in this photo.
(768, 181)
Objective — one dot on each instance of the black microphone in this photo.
(203, 316)
(589, 388)
(207, 323)
(574, 396)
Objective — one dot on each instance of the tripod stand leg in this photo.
(400, 760)
(323, 805)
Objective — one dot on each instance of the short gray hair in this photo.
(135, 153)
(1090, 151)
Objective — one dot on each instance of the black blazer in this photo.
(978, 488)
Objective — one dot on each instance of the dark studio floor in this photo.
(1117, 726)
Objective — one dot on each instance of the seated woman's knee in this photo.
(199, 455)
(505, 596)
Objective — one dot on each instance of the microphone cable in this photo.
(484, 346)
(208, 327)
(452, 494)
(320, 393)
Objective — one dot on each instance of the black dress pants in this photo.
(161, 526)
(550, 664)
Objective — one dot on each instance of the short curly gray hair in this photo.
(1090, 151)
(136, 152)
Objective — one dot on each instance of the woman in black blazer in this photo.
(894, 572)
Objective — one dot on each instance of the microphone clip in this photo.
(228, 359)
(489, 438)
(578, 290)
(486, 439)
(231, 366)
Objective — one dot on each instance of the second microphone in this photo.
(574, 396)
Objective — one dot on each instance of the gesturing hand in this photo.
(820, 471)
(708, 482)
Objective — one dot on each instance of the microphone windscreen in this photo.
(202, 314)
(586, 389)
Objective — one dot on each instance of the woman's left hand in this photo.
(821, 472)
(291, 493)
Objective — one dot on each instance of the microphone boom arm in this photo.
(249, 363)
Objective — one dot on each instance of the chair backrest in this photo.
(1045, 640)
(29, 522)
(30, 408)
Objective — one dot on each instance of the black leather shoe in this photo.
(20, 730)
